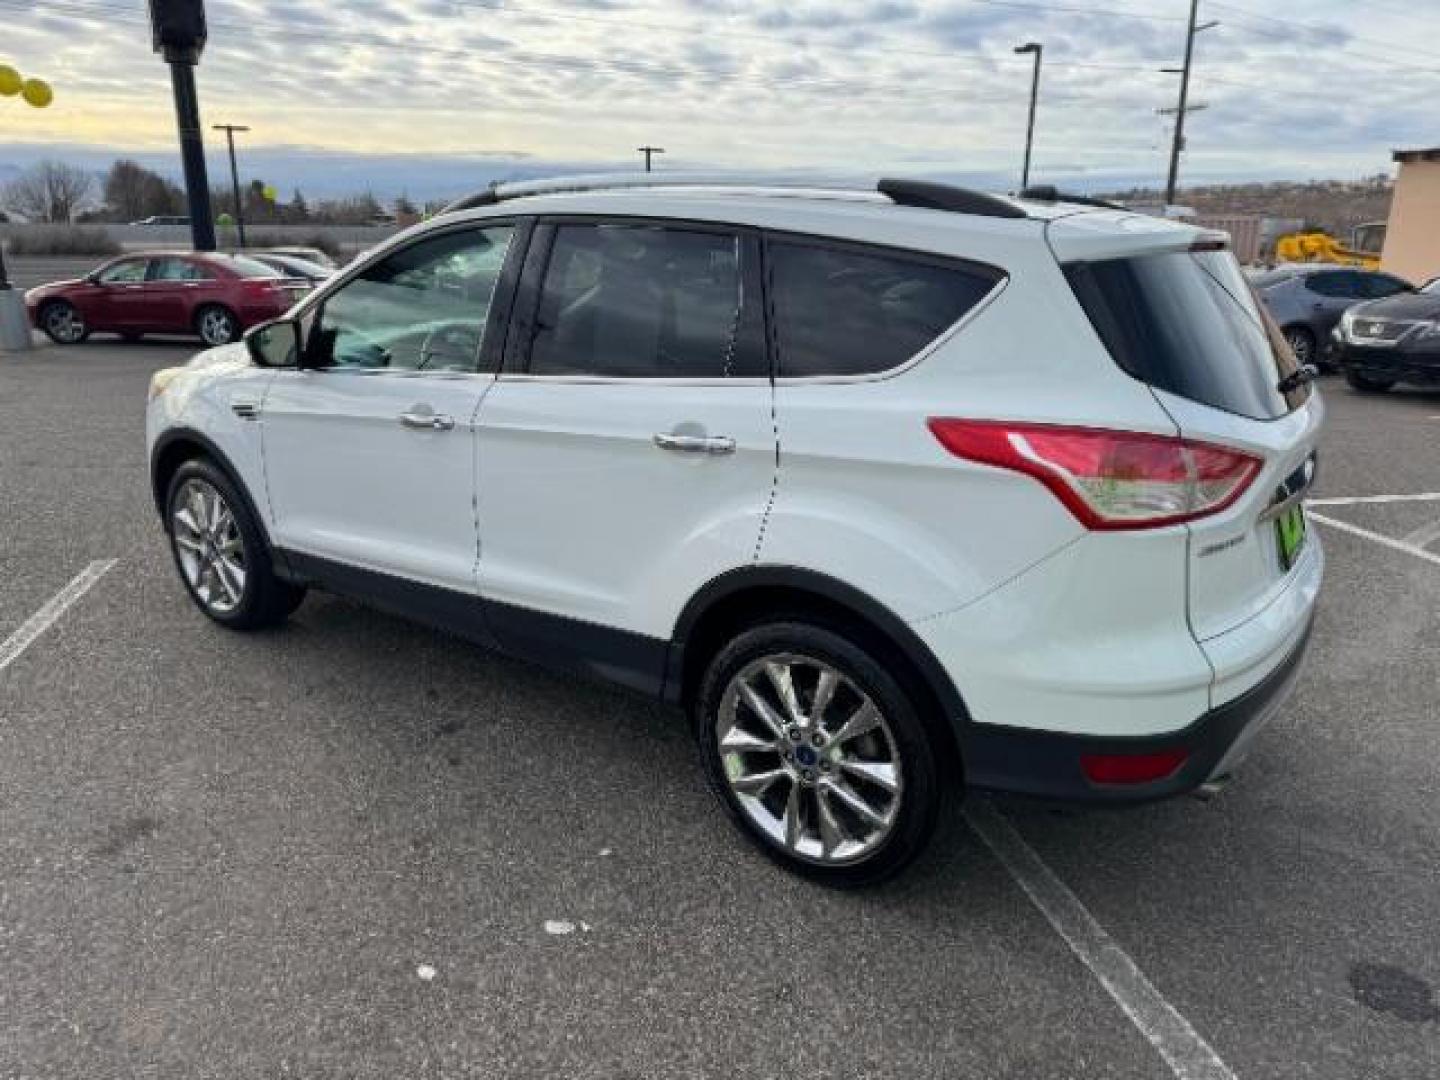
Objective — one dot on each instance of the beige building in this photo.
(1412, 240)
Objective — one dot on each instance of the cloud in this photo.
(849, 84)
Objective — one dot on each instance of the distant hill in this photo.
(1334, 205)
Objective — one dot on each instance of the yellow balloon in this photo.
(10, 81)
(37, 92)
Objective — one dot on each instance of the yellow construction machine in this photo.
(1316, 245)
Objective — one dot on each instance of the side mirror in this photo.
(275, 344)
(93, 277)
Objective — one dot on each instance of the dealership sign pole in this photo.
(179, 35)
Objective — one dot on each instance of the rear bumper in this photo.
(1047, 764)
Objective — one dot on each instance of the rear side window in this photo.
(1187, 322)
(846, 311)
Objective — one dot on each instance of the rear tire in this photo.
(217, 325)
(842, 784)
(220, 551)
(1367, 385)
(63, 323)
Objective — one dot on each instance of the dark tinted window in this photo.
(1341, 284)
(640, 301)
(1381, 285)
(841, 311)
(1187, 322)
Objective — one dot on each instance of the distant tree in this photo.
(49, 191)
(405, 208)
(299, 209)
(350, 210)
(132, 192)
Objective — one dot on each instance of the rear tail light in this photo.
(1131, 768)
(1109, 479)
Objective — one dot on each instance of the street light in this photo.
(230, 130)
(1038, 49)
(648, 151)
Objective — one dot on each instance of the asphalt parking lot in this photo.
(357, 848)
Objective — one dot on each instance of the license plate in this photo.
(1290, 535)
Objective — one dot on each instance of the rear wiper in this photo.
(1299, 377)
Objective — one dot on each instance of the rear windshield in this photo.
(1187, 322)
(250, 268)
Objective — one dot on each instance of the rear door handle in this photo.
(427, 421)
(695, 444)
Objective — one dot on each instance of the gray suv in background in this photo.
(1307, 300)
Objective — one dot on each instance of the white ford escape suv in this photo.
(893, 489)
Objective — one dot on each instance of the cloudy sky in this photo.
(425, 95)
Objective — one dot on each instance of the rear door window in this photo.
(641, 301)
(1188, 323)
(841, 310)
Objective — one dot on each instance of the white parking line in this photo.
(47, 616)
(1189, 1056)
(1358, 500)
(1424, 536)
(1379, 538)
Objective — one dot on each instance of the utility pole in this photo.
(649, 150)
(1038, 49)
(230, 130)
(1184, 107)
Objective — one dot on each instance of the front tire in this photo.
(220, 552)
(217, 325)
(63, 323)
(817, 753)
(1367, 385)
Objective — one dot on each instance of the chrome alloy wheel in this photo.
(810, 758)
(208, 546)
(64, 324)
(217, 327)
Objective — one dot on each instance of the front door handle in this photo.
(427, 421)
(695, 444)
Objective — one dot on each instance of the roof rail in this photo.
(919, 193)
(1048, 193)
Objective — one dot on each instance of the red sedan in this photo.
(161, 292)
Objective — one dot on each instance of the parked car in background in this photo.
(172, 292)
(293, 266)
(309, 254)
(1307, 300)
(163, 219)
(1391, 341)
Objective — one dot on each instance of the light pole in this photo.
(179, 33)
(648, 151)
(230, 130)
(1039, 50)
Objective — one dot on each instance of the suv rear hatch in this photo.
(1175, 312)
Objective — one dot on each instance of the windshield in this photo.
(1432, 287)
(1188, 322)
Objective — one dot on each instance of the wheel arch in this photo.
(179, 445)
(743, 596)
